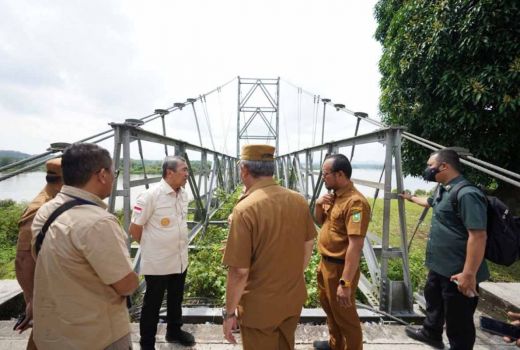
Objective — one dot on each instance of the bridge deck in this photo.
(8, 290)
(376, 335)
(209, 337)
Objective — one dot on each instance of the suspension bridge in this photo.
(260, 117)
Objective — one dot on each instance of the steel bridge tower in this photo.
(258, 103)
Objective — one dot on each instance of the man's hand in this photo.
(326, 199)
(26, 323)
(466, 284)
(405, 195)
(515, 320)
(343, 295)
(228, 327)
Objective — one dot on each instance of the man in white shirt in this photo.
(159, 225)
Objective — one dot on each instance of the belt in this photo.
(333, 260)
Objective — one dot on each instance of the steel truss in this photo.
(297, 171)
(223, 176)
(267, 90)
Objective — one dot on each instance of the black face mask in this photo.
(429, 173)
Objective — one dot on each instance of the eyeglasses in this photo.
(325, 174)
(115, 173)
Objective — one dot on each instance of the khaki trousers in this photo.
(344, 324)
(123, 343)
(30, 343)
(280, 337)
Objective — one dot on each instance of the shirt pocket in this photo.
(163, 217)
(337, 221)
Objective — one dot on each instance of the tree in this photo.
(451, 74)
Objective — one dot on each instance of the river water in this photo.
(25, 187)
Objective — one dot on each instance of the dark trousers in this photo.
(153, 297)
(444, 302)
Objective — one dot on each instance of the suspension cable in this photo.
(145, 119)
(299, 114)
(206, 116)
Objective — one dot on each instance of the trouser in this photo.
(279, 337)
(124, 343)
(30, 343)
(344, 324)
(444, 302)
(153, 297)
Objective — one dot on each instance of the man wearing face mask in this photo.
(454, 255)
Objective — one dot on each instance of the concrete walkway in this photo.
(209, 337)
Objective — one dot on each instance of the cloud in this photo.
(67, 68)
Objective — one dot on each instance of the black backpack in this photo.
(503, 229)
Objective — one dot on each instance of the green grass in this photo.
(10, 213)
(418, 271)
(206, 274)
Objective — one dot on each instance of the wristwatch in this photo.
(226, 315)
(345, 283)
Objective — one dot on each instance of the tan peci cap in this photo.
(54, 166)
(264, 153)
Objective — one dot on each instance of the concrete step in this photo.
(497, 298)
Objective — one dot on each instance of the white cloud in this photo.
(67, 68)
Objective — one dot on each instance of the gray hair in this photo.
(171, 162)
(259, 168)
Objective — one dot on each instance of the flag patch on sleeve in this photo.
(138, 209)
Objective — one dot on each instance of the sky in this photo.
(68, 68)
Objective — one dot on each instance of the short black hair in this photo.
(341, 163)
(171, 162)
(449, 156)
(81, 160)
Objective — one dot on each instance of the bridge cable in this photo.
(299, 114)
(206, 115)
(146, 119)
(315, 112)
(196, 122)
(225, 122)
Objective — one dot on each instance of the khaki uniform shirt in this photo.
(25, 222)
(83, 253)
(269, 228)
(348, 216)
(164, 244)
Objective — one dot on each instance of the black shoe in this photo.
(146, 347)
(321, 345)
(417, 334)
(181, 337)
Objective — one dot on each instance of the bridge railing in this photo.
(218, 172)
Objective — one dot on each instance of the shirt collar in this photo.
(258, 185)
(453, 182)
(167, 189)
(342, 191)
(78, 192)
(51, 190)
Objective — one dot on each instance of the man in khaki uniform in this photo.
(345, 215)
(269, 245)
(83, 270)
(24, 262)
